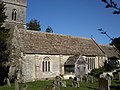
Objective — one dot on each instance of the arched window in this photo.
(46, 64)
(14, 14)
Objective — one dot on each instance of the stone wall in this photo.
(21, 13)
(63, 59)
(101, 60)
(20, 7)
(32, 66)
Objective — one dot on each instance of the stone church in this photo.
(40, 55)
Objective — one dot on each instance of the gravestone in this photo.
(16, 85)
(103, 84)
(62, 81)
(8, 82)
(108, 77)
(119, 75)
(90, 79)
(63, 84)
(81, 78)
(23, 87)
(75, 83)
(57, 82)
(115, 76)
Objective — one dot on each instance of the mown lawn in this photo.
(41, 85)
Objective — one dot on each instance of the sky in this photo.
(81, 18)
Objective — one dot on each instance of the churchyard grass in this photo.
(115, 85)
(41, 85)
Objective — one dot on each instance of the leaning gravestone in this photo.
(103, 84)
(8, 82)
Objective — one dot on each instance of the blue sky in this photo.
(75, 18)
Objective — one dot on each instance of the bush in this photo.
(97, 72)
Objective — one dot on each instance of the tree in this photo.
(4, 35)
(111, 64)
(34, 25)
(49, 29)
(4, 49)
(112, 4)
(116, 42)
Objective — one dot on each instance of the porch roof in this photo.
(71, 60)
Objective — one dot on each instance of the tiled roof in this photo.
(110, 51)
(47, 43)
(71, 60)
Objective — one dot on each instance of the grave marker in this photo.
(75, 83)
(103, 84)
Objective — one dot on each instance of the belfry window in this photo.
(14, 14)
(46, 64)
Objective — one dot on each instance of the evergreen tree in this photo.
(49, 29)
(4, 51)
(4, 34)
(33, 25)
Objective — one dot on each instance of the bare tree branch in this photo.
(112, 4)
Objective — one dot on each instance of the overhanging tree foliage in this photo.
(112, 4)
(34, 25)
(116, 42)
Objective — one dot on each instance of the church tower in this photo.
(16, 12)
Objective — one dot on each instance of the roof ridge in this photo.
(58, 34)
